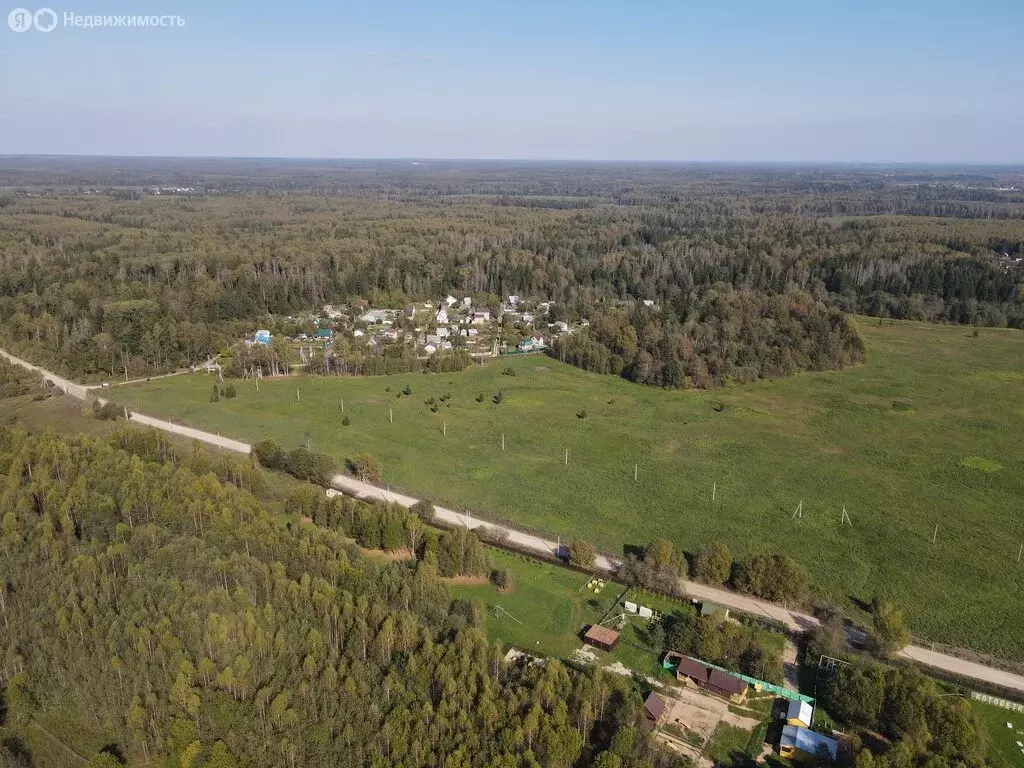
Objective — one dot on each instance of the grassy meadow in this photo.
(1002, 751)
(926, 433)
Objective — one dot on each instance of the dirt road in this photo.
(793, 620)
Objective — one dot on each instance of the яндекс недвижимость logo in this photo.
(22, 20)
(46, 20)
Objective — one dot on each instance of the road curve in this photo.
(793, 620)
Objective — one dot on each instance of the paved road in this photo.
(794, 620)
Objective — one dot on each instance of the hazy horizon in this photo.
(796, 82)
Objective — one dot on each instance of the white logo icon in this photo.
(45, 20)
(20, 20)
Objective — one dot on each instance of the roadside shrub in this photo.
(270, 455)
(713, 564)
(109, 411)
(366, 468)
(424, 510)
(778, 578)
(311, 467)
(582, 553)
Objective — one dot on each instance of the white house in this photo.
(648, 302)
(513, 300)
(442, 316)
(443, 333)
(446, 345)
(527, 318)
(560, 325)
(467, 302)
(481, 316)
(358, 333)
(532, 344)
(450, 301)
(430, 349)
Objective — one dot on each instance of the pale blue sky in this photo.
(900, 80)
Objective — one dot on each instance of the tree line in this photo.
(96, 286)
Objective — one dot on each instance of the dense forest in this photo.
(98, 275)
(154, 600)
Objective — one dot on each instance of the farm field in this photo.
(926, 433)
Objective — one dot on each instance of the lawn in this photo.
(544, 610)
(1003, 751)
(926, 433)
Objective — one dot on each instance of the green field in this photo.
(545, 609)
(927, 432)
(1003, 751)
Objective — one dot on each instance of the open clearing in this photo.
(925, 433)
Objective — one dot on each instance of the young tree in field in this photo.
(714, 564)
(582, 553)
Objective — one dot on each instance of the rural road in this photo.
(794, 620)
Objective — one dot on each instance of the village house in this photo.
(442, 316)
(450, 301)
(481, 316)
(409, 311)
(532, 344)
(467, 302)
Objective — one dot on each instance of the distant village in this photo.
(514, 327)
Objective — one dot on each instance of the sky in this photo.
(718, 80)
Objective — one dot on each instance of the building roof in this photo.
(324, 333)
(800, 710)
(808, 741)
(707, 608)
(655, 706)
(723, 681)
(690, 668)
(602, 635)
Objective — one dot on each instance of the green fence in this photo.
(760, 685)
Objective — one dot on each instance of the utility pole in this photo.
(503, 441)
(1020, 551)
(636, 473)
(567, 457)
(298, 399)
(391, 415)
(714, 490)
(936, 534)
